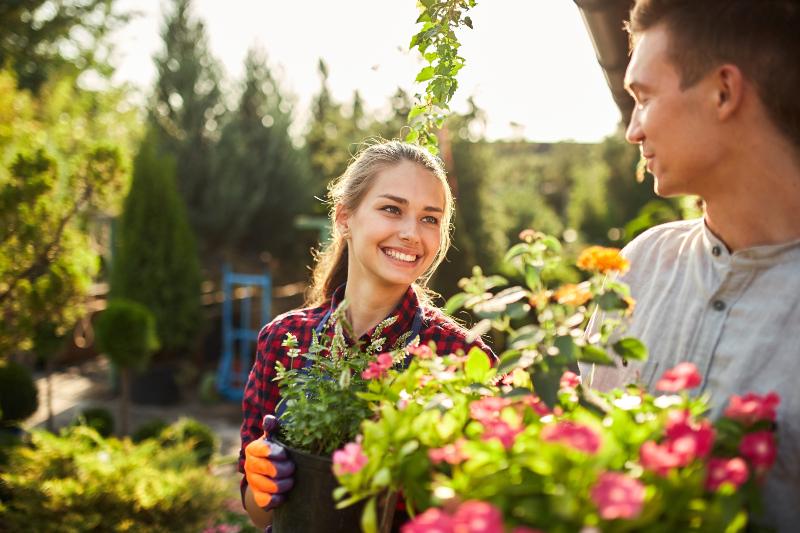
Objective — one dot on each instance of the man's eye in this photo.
(391, 209)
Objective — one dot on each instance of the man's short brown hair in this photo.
(761, 37)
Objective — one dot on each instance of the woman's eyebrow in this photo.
(403, 201)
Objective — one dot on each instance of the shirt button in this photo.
(715, 251)
(718, 305)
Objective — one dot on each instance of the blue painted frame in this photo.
(230, 381)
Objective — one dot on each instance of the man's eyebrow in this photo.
(403, 201)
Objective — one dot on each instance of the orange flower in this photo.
(603, 260)
(540, 299)
(571, 294)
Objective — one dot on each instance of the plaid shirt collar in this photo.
(404, 311)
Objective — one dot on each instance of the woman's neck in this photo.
(368, 305)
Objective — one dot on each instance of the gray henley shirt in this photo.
(734, 315)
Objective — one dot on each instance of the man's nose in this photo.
(633, 133)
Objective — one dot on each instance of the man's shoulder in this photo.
(663, 237)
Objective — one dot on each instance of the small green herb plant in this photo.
(322, 390)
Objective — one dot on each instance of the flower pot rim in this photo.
(298, 451)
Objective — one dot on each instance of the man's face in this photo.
(674, 127)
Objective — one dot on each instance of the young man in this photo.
(718, 115)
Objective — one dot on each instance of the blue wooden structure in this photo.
(239, 339)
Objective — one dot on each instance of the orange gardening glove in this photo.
(268, 469)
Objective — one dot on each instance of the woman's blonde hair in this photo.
(349, 189)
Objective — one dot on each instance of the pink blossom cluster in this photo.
(685, 441)
(349, 460)
(487, 412)
(752, 408)
(569, 380)
(760, 449)
(423, 351)
(377, 369)
(617, 495)
(683, 376)
(472, 516)
(577, 436)
(725, 470)
(451, 453)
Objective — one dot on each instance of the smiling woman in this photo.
(391, 213)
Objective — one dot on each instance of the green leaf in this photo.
(566, 346)
(382, 478)
(594, 354)
(610, 301)
(509, 360)
(468, 22)
(425, 74)
(339, 493)
(455, 302)
(412, 136)
(416, 111)
(369, 518)
(532, 279)
(477, 366)
(631, 348)
(516, 250)
(546, 384)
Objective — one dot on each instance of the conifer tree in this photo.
(261, 177)
(155, 262)
(187, 107)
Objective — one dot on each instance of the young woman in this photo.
(391, 213)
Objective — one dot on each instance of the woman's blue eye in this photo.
(431, 220)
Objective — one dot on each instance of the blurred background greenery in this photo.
(102, 199)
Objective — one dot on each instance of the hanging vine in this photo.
(438, 45)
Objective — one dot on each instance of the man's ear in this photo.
(729, 85)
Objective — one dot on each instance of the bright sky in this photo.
(529, 62)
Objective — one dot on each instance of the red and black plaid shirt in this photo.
(261, 393)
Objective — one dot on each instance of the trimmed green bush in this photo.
(79, 481)
(126, 333)
(97, 418)
(190, 431)
(19, 398)
(149, 430)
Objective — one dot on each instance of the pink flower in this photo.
(618, 496)
(423, 351)
(570, 380)
(683, 376)
(349, 460)
(752, 408)
(690, 440)
(577, 436)
(488, 408)
(759, 448)
(501, 430)
(722, 470)
(475, 516)
(377, 369)
(451, 453)
(536, 403)
(658, 458)
(431, 521)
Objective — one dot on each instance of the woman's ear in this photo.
(341, 218)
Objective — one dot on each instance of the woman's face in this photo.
(395, 232)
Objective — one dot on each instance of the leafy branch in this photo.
(438, 45)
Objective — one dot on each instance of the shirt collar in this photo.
(755, 256)
(405, 310)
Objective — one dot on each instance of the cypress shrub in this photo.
(19, 398)
(156, 260)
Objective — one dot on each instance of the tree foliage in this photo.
(261, 179)
(62, 164)
(187, 107)
(40, 38)
(156, 260)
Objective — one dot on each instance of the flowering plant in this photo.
(522, 446)
(320, 403)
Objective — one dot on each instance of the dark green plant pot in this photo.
(309, 506)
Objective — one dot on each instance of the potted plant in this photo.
(522, 447)
(321, 409)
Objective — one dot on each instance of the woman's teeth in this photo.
(401, 256)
